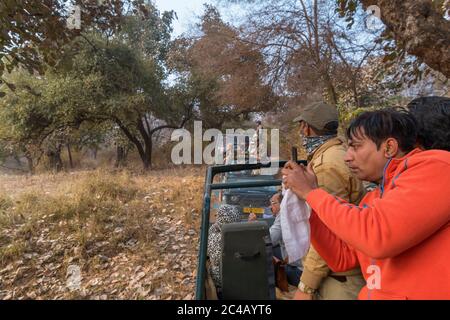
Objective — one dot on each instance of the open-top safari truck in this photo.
(246, 266)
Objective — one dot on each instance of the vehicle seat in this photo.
(246, 267)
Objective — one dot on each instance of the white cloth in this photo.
(295, 226)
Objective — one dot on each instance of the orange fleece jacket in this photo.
(399, 235)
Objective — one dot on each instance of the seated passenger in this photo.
(396, 227)
(293, 271)
(225, 214)
(433, 119)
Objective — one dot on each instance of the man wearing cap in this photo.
(318, 124)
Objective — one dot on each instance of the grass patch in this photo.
(11, 251)
(7, 217)
(116, 226)
(5, 202)
(114, 187)
(98, 212)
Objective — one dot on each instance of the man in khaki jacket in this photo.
(318, 127)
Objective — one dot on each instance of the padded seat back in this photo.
(246, 267)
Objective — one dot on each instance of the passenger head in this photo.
(275, 203)
(227, 214)
(377, 136)
(433, 119)
(318, 119)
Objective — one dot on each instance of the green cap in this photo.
(318, 115)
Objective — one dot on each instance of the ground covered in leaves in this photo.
(100, 235)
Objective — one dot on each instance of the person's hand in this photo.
(299, 179)
(299, 295)
(252, 217)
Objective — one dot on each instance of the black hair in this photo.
(433, 119)
(383, 124)
(280, 195)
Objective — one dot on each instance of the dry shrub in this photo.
(106, 186)
(104, 222)
(114, 209)
(84, 207)
(5, 202)
(11, 251)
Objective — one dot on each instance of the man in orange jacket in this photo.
(399, 235)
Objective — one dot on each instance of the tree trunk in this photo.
(418, 28)
(54, 158)
(355, 91)
(148, 153)
(16, 157)
(58, 160)
(145, 149)
(148, 143)
(94, 153)
(121, 158)
(30, 164)
(331, 91)
(69, 152)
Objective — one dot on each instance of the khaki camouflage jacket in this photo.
(334, 177)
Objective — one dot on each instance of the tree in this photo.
(34, 33)
(415, 37)
(115, 80)
(24, 120)
(112, 76)
(123, 88)
(226, 73)
(419, 28)
(309, 52)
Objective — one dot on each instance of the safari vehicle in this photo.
(249, 200)
(246, 266)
